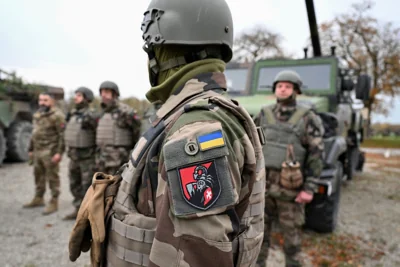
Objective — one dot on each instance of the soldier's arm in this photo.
(30, 146)
(90, 120)
(315, 148)
(195, 227)
(132, 121)
(257, 118)
(60, 126)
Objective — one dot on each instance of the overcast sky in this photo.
(70, 43)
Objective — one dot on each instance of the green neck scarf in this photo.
(172, 79)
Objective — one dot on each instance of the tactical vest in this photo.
(130, 233)
(110, 134)
(77, 137)
(278, 135)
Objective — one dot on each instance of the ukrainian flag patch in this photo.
(211, 140)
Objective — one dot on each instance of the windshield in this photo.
(314, 77)
(236, 80)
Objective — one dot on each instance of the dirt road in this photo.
(368, 232)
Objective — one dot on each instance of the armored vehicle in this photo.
(18, 102)
(335, 93)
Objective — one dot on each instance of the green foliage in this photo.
(382, 142)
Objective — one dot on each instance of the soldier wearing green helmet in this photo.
(192, 190)
(80, 140)
(293, 154)
(117, 131)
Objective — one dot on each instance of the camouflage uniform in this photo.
(290, 213)
(115, 137)
(192, 225)
(81, 143)
(151, 111)
(47, 140)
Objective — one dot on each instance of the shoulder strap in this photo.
(298, 114)
(269, 115)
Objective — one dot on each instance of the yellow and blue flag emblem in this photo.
(211, 140)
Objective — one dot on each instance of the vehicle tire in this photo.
(3, 146)
(352, 162)
(18, 138)
(323, 212)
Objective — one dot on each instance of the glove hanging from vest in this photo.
(291, 176)
(89, 229)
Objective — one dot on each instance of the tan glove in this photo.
(89, 229)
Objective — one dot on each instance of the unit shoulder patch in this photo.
(200, 184)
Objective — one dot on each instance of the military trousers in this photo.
(290, 216)
(80, 173)
(45, 171)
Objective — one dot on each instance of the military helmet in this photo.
(288, 76)
(191, 22)
(109, 85)
(86, 92)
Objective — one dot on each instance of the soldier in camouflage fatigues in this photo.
(117, 132)
(46, 148)
(287, 205)
(80, 138)
(192, 193)
(150, 112)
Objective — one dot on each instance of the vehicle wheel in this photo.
(3, 146)
(18, 138)
(352, 161)
(322, 213)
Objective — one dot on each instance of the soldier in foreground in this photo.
(80, 139)
(117, 131)
(192, 192)
(293, 150)
(46, 148)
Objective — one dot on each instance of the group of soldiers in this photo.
(94, 142)
(206, 180)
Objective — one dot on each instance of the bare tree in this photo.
(370, 47)
(258, 43)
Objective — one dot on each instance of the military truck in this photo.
(18, 102)
(336, 94)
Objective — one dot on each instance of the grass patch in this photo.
(384, 142)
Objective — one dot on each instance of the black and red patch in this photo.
(200, 185)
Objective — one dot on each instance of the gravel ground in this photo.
(29, 239)
(370, 208)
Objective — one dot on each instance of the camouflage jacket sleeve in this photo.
(315, 147)
(128, 118)
(135, 124)
(90, 120)
(30, 149)
(201, 192)
(59, 120)
(257, 118)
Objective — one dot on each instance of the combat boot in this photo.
(292, 262)
(35, 202)
(51, 207)
(71, 216)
